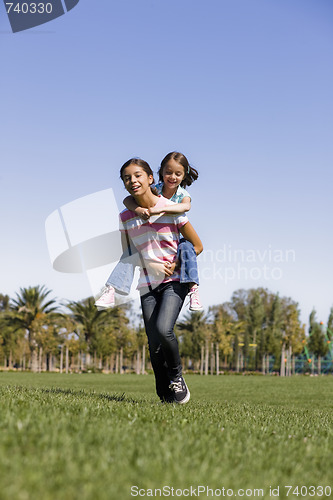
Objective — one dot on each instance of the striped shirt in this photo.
(156, 240)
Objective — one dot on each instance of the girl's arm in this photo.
(189, 234)
(132, 205)
(177, 208)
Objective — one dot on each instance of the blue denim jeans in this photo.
(122, 276)
(160, 308)
(188, 262)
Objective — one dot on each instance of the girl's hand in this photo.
(162, 269)
(156, 268)
(155, 211)
(143, 213)
(169, 268)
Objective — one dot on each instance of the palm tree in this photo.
(100, 331)
(32, 311)
(88, 321)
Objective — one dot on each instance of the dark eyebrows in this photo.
(128, 176)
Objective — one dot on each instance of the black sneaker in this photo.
(168, 399)
(181, 392)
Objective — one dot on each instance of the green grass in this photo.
(94, 436)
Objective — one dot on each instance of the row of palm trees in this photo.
(35, 331)
(255, 330)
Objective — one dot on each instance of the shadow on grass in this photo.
(108, 397)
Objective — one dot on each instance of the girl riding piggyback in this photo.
(175, 173)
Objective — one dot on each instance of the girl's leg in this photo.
(150, 308)
(188, 263)
(161, 308)
(120, 280)
(122, 275)
(189, 272)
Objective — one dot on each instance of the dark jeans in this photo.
(160, 309)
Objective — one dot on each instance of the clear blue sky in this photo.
(242, 87)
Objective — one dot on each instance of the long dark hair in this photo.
(191, 174)
(144, 165)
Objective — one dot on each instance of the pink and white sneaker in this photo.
(106, 299)
(195, 304)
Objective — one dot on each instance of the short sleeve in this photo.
(181, 220)
(122, 226)
(180, 194)
(185, 193)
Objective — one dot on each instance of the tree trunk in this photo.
(267, 364)
(50, 362)
(287, 362)
(283, 366)
(319, 365)
(263, 364)
(121, 360)
(238, 362)
(10, 360)
(40, 359)
(61, 358)
(206, 358)
(212, 358)
(143, 369)
(217, 359)
(34, 360)
(112, 363)
(241, 361)
(202, 360)
(138, 362)
(67, 359)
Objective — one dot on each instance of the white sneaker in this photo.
(106, 299)
(195, 304)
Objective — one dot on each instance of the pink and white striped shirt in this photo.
(156, 239)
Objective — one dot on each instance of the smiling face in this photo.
(136, 180)
(173, 174)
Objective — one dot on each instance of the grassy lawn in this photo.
(95, 436)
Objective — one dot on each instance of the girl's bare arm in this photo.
(190, 234)
(132, 205)
(177, 208)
